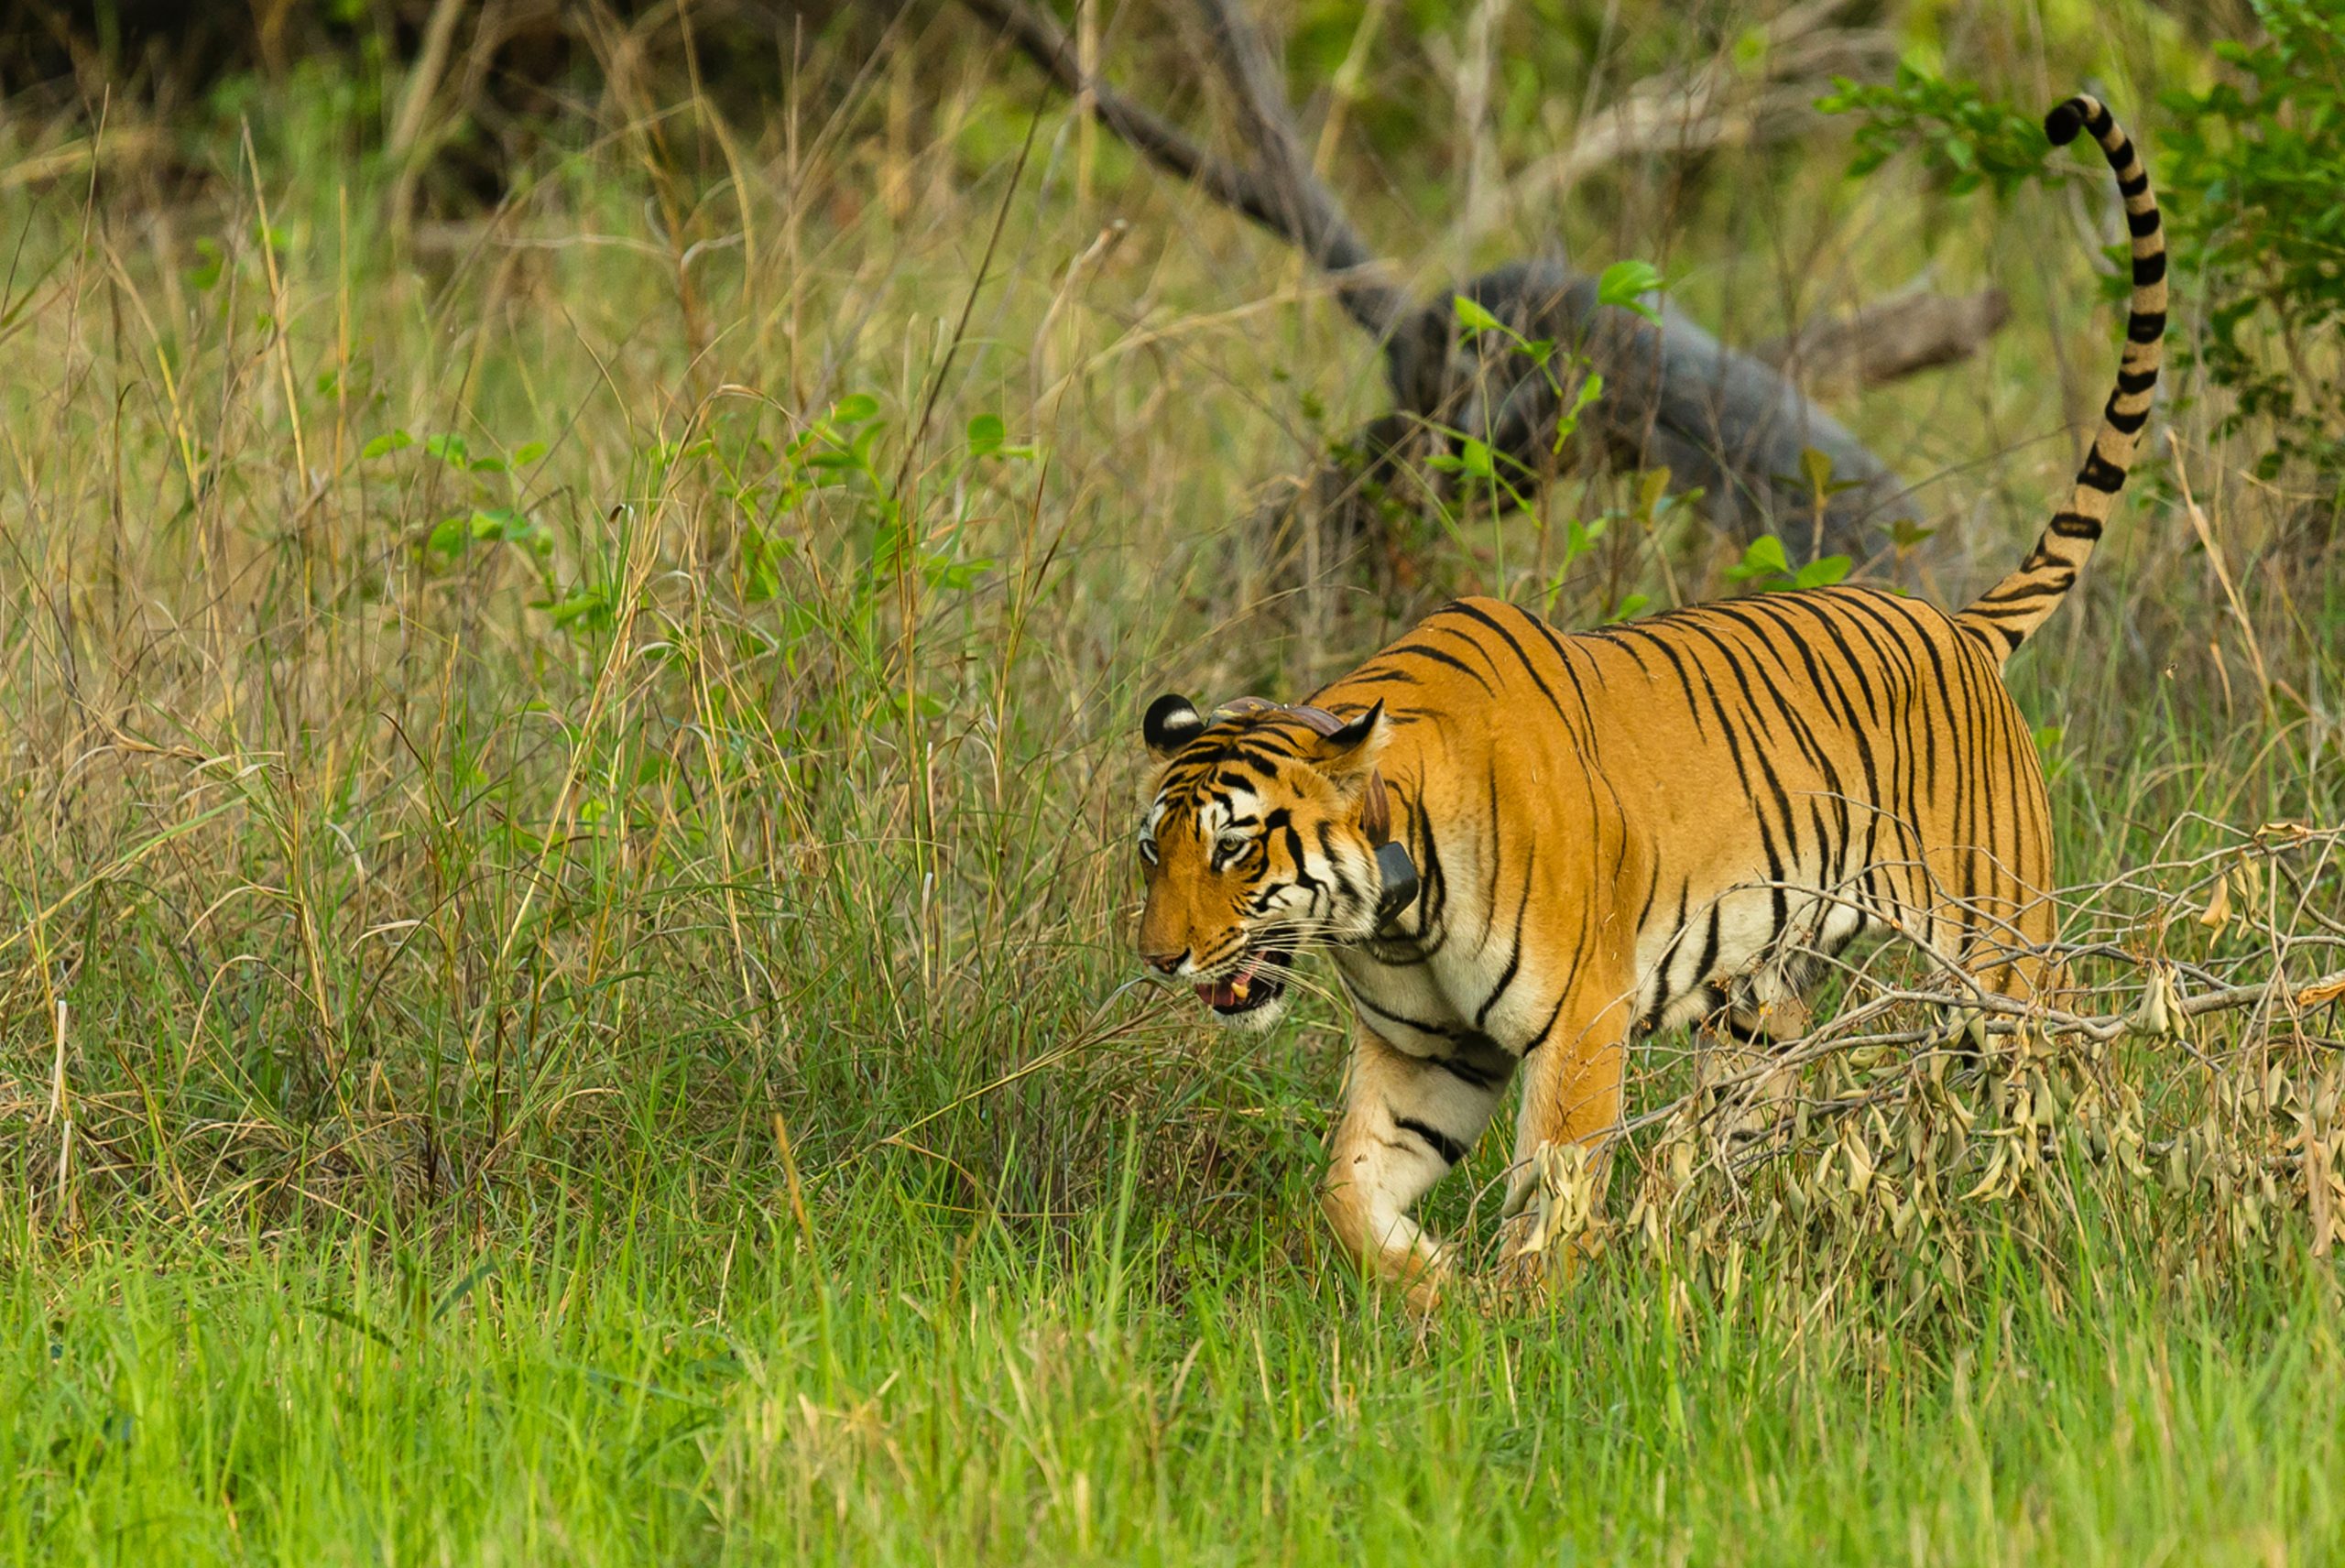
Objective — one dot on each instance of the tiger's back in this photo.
(1738, 790)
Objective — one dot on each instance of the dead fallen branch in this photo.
(1887, 339)
(1724, 422)
(2196, 1109)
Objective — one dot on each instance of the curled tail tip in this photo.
(2067, 118)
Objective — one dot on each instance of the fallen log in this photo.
(1887, 339)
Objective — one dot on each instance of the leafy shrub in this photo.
(2250, 172)
(2258, 167)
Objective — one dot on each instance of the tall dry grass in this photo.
(640, 678)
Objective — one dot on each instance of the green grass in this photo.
(638, 1385)
(563, 998)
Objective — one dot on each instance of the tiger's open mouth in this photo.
(1259, 980)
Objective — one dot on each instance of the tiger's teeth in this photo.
(1239, 987)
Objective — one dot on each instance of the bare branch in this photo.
(1286, 199)
(1718, 104)
(1042, 41)
(1316, 220)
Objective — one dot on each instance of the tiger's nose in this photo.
(1164, 963)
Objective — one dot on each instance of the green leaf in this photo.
(986, 433)
(853, 408)
(762, 563)
(1905, 533)
(1579, 537)
(956, 576)
(206, 274)
(463, 1288)
(1653, 488)
(1625, 284)
(1473, 317)
(449, 535)
(502, 524)
(1630, 607)
(449, 450)
(1816, 467)
(1822, 573)
(384, 444)
(1763, 556)
(588, 610)
(528, 452)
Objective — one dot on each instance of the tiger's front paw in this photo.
(1428, 1286)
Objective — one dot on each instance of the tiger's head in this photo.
(1254, 847)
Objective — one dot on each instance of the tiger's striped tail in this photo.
(2004, 615)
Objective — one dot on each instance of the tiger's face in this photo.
(1252, 849)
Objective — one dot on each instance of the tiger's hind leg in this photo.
(2015, 965)
(1735, 1071)
(2004, 942)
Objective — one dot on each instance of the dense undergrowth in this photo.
(568, 781)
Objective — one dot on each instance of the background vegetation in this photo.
(572, 641)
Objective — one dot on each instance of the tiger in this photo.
(1526, 849)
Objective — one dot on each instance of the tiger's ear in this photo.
(1354, 749)
(1171, 722)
